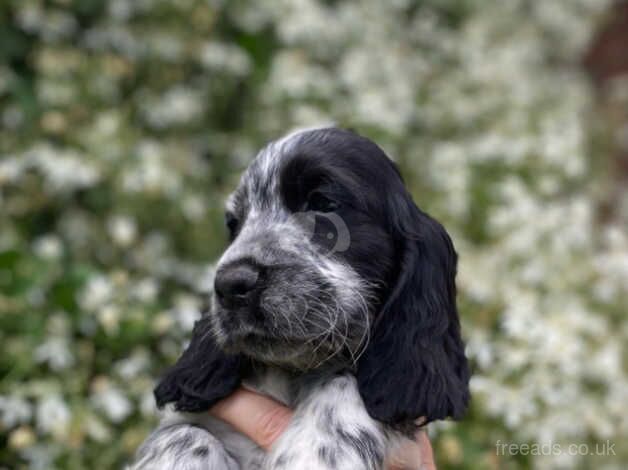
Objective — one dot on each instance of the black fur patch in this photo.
(364, 443)
(202, 375)
(202, 451)
(328, 455)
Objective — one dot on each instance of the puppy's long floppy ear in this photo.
(202, 375)
(414, 365)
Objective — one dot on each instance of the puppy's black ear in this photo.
(414, 365)
(202, 375)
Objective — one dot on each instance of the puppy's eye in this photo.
(318, 202)
(232, 223)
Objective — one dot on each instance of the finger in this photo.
(405, 457)
(427, 454)
(256, 416)
(413, 455)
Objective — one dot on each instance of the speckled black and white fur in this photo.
(336, 296)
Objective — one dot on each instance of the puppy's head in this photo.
(331, 264)
(310, 253)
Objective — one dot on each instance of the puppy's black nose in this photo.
(234, 285)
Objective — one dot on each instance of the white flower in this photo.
(186, 312)
(30, 17)
(148, 407)
(225, 57)
(151, 172)
(97, 429)
(56, 353)
(63, 169)
(193, 207)
(53, 415)
(146, 290)
(178, 105)
(97, 292)
(205, 283)
(133, 365)
(14, 410)
(120, 10)
(109, 318)
(11, 169)
(113, 403)
(41, 456)
(122, 229)
(48, 247)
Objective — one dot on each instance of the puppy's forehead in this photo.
(259, 186)
(349, 157)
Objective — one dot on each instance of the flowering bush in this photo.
(125, 123)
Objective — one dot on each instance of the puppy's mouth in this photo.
(236, 332)
(248, 333)
(284, 351)
(240, 329)
(262, 342)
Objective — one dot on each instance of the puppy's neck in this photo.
(285, 386)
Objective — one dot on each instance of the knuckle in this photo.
(270, 425)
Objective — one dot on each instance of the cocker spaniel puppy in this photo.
(336, 296)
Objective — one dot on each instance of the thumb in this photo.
(260, 418)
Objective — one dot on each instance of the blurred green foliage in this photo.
(124, 124)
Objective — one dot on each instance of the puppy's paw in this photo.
(183, 446)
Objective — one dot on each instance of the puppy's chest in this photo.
(268, 381)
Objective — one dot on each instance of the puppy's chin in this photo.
(289, 353)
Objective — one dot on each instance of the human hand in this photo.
(263, 420)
